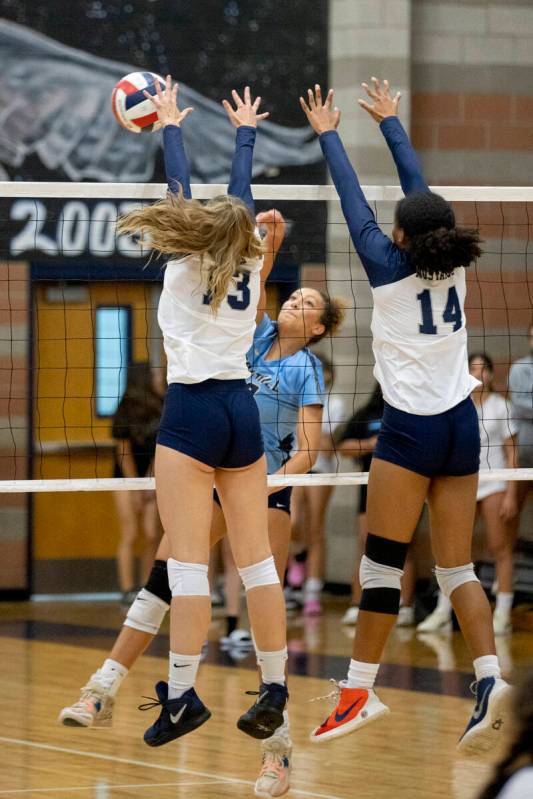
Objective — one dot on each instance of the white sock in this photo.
(362, 675)
(182, 670)
(487, 666)
(504, 602)
(313, 588)
(283, 731)
(272, 665)
(111, 675)
(443, 604)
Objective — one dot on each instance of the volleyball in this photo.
(131, 108)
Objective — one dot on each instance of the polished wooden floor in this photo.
(50, 649)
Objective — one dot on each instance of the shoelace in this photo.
(149, 705)
(333, 694)
(473, 688)
(272, 764)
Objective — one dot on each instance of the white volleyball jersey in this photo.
(419, 331)
(200, 344)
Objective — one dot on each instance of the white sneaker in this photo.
(239, 639)
(406, 617)
(501, 621)
(489, 717)
(94, 708)
(350, 616)
(275, 775)
(436, 622)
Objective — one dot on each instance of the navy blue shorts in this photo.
(281, 500)
(216, 422)
(443, 444)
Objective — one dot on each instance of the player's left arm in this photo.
(383, 108)
(176, 164)
(245, 117)
(273, 223)
(308, 437)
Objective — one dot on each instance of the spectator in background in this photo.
(135, 427)
(497, 501)
(513, 777)
(521, 396)
(357, 440)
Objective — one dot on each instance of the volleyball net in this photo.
(79, 307)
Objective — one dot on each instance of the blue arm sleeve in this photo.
(176, 164)
(241, 167)
(405, 157)
(382, 260)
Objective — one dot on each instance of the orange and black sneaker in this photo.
(355, 707)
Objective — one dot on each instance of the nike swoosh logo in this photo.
(279, 506)
(480, 708)
(182, 666)
(179, 714)
(341, 716)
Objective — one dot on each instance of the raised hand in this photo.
(245, 112)
(322, 116)
(383, 105)
(274, 224)
(166, 104)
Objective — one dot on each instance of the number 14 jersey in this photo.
(420, 343)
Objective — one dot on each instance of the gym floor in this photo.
(51, 648)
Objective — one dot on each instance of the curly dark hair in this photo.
(521, 752)
(332, 315)
(436, 246)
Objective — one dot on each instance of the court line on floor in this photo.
(219, 778)
(112, 786)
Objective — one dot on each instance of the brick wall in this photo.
(472, 78)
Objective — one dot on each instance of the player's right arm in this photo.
(245, 118)
(274, 224)
(169, 115)
(379, 256)
(384, 110)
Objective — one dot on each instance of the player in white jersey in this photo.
(428, 445)
(210, 433)
(497, 501)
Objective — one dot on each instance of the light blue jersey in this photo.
(280, 389)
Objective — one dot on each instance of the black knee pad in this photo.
(380, 574)
(157, 582)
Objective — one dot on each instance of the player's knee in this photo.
(157, 582)
(187, 579)
(450, 579)
(146, 612)
(380, 574)
(259, 574)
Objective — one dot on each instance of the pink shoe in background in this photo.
(296, 574)
(312, 607)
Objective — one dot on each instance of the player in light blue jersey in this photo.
(428, 446)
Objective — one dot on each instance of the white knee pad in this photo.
(450, 579)
(146, 613)
(377, 575)
(263, 573)
(187, 579)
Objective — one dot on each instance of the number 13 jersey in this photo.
(420, 342)
(200, 344)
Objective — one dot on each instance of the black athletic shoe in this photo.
(177, 717)
(266, 714)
